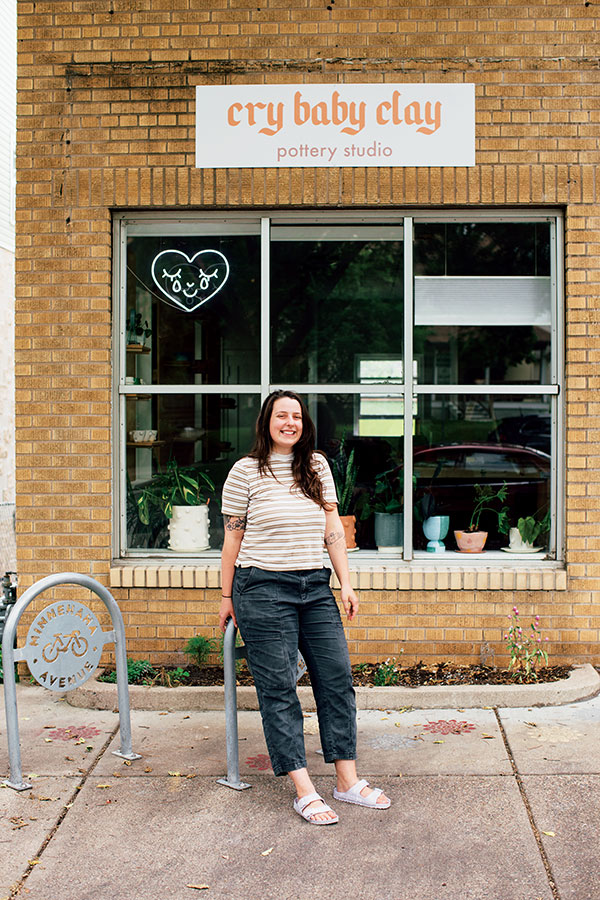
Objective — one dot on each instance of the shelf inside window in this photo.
(138, 348)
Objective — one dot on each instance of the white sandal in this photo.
(354, 796)
(301, 804)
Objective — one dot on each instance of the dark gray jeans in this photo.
(278, 613)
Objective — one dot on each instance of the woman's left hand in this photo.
(349, 602)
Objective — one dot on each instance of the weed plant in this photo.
(388, 672)
(169, 677)
(527, 650)
(199, 648)
(139, 671)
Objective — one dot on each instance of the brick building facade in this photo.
(106, 119)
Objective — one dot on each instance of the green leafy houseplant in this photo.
(136, 330)
(344, 470)
(176, 486)
(387, 495)
(426, 505)
(487, 499)
(531, 527)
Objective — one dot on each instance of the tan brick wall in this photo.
(106, 121)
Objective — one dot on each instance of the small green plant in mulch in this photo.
(169, 677)
(387, 672)
(199, 648)
(139, 671)
(362, 668)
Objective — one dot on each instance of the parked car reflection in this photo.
(451, 472)
(526, 431)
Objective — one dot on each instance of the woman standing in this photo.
(280, 505)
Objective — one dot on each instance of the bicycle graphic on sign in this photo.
(63, 643)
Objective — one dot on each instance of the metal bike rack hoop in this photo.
(68, 658)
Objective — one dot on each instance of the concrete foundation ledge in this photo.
(583, 682)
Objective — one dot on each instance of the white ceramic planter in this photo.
(516, 542)
(188, 529)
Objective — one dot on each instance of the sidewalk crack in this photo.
(529, 811)
(15, 889)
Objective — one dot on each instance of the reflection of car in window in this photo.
(451, 472)
(526, 431)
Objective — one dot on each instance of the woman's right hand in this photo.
(225, 613)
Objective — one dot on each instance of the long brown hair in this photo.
(303, 469)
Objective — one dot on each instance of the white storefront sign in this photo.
(329, 125)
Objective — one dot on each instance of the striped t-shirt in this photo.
(284, 529)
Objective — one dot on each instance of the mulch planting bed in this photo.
(366, 674)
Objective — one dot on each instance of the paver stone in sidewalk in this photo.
(568, 808)
(431, 741)
(554, 739)
(189, 743)
(55, 738)
(26, 817)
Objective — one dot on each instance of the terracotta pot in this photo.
(349, 525)
(471, 541)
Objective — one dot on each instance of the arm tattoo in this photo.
(235, 523)
(334, 537)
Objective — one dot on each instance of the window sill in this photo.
(370, 571)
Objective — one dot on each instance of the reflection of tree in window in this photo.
(326, 297)
(491, 351)
(509, 248)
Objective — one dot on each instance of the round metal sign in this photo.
(64, 646)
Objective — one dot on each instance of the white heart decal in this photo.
(190, 282)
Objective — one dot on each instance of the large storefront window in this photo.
(213, 313)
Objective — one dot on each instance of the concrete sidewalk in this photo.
(489, 804)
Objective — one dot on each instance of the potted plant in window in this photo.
(386, 503)
(523, 536)
(183, 496)
(435, 526)
(487, 499)
(135, 331)
(344, 469)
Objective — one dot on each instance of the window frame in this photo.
(148, 223)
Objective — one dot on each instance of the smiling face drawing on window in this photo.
(190, 281)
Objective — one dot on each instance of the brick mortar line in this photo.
(235, 66)
(524, 798)
(15, 889)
